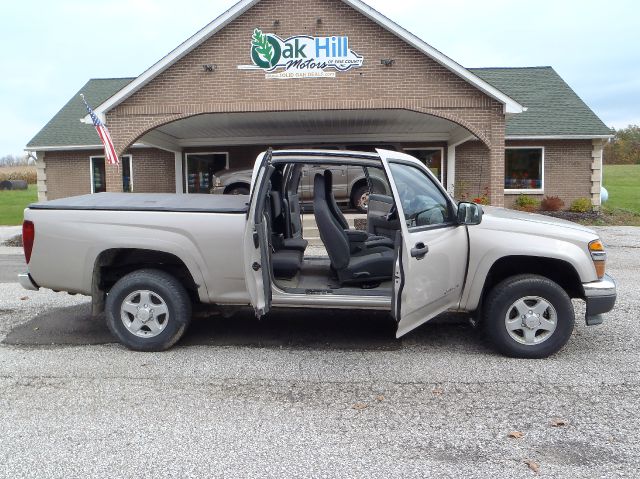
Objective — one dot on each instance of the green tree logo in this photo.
(265, 50)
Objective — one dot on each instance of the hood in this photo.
(503, 213)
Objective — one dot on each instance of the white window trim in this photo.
(92, 184)
(130, 159)
(122, 158)
(537, 191)
(185, 173)
(432, 148)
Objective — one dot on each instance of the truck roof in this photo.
(191, 203)
(342, 157)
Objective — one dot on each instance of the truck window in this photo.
(423, 203)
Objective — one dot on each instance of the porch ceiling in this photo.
(298, 127)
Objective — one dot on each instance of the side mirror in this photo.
(469, 214)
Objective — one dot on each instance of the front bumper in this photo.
(27, 282)
(600, 297)
(217, 190)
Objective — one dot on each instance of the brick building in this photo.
(324, 73)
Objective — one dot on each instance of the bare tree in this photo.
(14, 160)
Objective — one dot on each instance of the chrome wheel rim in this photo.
(363, 201)
(144, 313)
(531, 320)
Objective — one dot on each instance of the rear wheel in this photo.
(528, 316)
(237, 190)
(148, 310)
(360, 198)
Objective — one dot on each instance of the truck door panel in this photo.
(435, 248)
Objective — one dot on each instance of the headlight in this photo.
(217, 181)
(599, 257)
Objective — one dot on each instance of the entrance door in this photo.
(257, 258)
(431, 267)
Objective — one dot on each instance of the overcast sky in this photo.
(51, 48)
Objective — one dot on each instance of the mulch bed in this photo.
(15, 241)
(575, 217)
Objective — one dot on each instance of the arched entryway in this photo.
(432, 136)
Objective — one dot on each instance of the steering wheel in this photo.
(414, 217)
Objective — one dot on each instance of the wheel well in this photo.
(111, 265)
(236, 185)
(559, 271)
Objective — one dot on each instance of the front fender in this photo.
(487, 249)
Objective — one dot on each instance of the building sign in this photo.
(301, 56)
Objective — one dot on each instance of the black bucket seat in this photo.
(358, 240)
(352, 268)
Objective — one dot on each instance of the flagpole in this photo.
(109, 148)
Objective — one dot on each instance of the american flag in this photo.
(105, 137)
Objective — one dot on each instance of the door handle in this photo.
(419, 251)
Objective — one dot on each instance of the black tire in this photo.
(162, 285)
(356, 194)
(501, 301)
(237, 190)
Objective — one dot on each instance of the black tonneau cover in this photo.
(150, 202)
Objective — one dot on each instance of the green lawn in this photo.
(13, 203)
(623, 184)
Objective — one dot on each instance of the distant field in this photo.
(27, 173)
(623, 184)
(13, 203)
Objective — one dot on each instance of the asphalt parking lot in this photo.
(319, 394)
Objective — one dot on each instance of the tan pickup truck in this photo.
(350, 184)
(148, 259)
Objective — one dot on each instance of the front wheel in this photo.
(528, 316)
(148, 310)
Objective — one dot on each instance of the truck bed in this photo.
(193, 203)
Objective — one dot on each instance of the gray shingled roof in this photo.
(553, 108)
(65, 128)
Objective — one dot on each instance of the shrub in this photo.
(26, 173)
(527, 203)
(483, 199)
(552, 203)
(581, 205)
(460, 191)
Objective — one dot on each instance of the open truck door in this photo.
(257, 254)
(432, 258)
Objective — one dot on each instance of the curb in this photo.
(11, 250)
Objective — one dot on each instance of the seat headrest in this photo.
(276, 204)
(319, 186)
(328, 178)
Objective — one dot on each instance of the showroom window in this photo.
(431, 157)
(201, 169)
(98, 174)
(524, 169)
